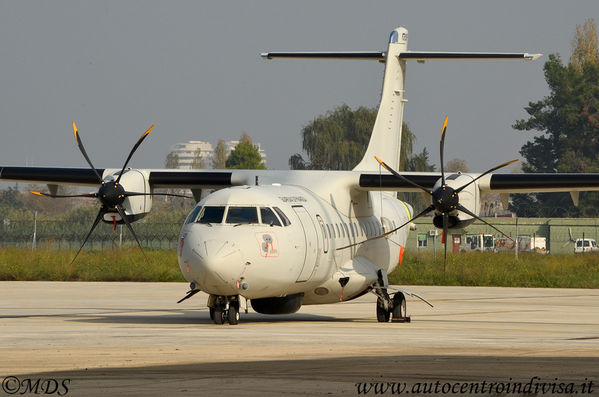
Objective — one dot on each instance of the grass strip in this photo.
(108, 265)
(466, 269)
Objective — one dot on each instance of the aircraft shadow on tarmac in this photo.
(193, 317)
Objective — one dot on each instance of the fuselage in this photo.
(276, 240)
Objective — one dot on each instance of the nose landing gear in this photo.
(224, 309)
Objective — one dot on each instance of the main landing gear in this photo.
(224, 309)
(390, 308)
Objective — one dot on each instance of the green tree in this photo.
(455, 165)
(11, 198)
(420, 162)
(338, 140)
(568, 119)
(219, 158)
(245, 155)
(585, 45)
(172, 160)
(198, 161)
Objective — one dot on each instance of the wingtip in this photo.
(532, 57)
(37, 193)
(74, 129)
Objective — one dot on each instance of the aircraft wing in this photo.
(491, 183)
(162, 178)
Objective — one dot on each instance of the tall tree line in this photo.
(568, 119)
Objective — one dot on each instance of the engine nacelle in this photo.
(136, 207)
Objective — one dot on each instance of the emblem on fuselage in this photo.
(269, 247)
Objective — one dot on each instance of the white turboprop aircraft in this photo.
(285, 238)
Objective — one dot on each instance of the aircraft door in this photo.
(311, 238)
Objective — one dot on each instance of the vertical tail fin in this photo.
(385, 141)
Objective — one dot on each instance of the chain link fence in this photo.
(543, 235)
(70, 235)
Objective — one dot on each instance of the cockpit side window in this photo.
(211, 214)
(282, 215)
(193, 215)
(243, 215)
(269, 217)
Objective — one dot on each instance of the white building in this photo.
(187, 152)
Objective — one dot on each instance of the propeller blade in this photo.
(139, 141)
(82, 149)
(124, 217)
(128, 194)
(403, 178)
(64, 195)
(485, 173)
(96, 221)
(472, 214)
(442, 146)
(426, 211)
(445, 232)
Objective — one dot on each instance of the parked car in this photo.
(585, 245)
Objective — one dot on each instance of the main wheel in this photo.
(399, 305)
(211, 313)
(219, 316)
(382, 314)
(233, 313)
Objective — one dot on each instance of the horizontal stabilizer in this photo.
(355, 55)
(439, 56)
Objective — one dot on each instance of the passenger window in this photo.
(243, 215)
(283, 217)
(338, 234)
(193, 215)
(210, 214)
(346, 230)
(269, 217)
(329, 230)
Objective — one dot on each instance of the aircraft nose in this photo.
(220, 258)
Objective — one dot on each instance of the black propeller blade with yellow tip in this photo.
(111, 194)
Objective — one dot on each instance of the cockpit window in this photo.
(283, 217)
(242, 215)
(211, 214)
(193, 215)
(269, 217)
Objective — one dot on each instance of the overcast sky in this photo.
(194, 69)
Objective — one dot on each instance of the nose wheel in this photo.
(224, 309)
